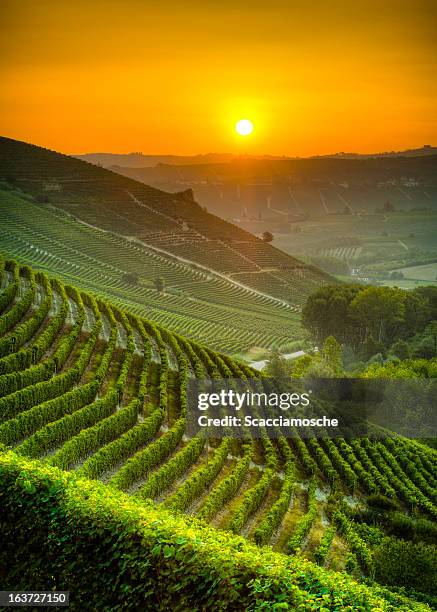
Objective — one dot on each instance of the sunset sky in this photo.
(174, 76)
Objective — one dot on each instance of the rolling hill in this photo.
(277, 194)
(90, 394)
(97, 229)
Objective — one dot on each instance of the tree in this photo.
(328, 363)
(380, 310)
(159, 284)
(332, 355)
(301, 365)
(327, 313)
(277, 367)
(431, 330)
(425, 350)
(401, 349)
(417, 313)
(430, 294)
(267, 236)
(371, 347)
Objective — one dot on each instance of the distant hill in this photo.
(276, 194)
(420, 152)
(139, 160)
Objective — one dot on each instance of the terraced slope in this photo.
(170, 222)
(204, 305)
(89, 388)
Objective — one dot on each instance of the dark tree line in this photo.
(356, 315)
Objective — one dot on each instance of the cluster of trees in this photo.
(371, 319)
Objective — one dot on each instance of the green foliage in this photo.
(7, 296)
(327, 363)
(332, 355)
(29, 421)
(322, 551)
(159, 284)
(356, 314)
(227, 488)
(255, 495)
(26, 398)
(58, 431)
(327, 312)
(277, 366)
(379, 311)
(273, 518)
(304, 523)
(400, 349)
(121, 448)
(199, 480)
(356, 543)
(401, 563)
(61, 363)
(139, 464)
(61, 532)
(24, 331)
(107, 428)
(410, 368)
(163, 477)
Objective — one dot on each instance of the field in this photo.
(426, 273)
(100, 392)
(374, 244)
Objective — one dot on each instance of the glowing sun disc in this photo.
(244, 127)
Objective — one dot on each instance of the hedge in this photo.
(274, 517)
(140, 464)
(8, 295)
(25, 330)
(115, 553)
(199, 480)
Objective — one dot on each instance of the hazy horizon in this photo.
(252, 155)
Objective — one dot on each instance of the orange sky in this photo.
(173, 76)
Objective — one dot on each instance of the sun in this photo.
(244, 127)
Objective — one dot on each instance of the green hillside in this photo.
(174, 223)
(100, 393)
(205, 306)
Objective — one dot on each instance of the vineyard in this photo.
(100, 393)
(171, 223)
(207, 306)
